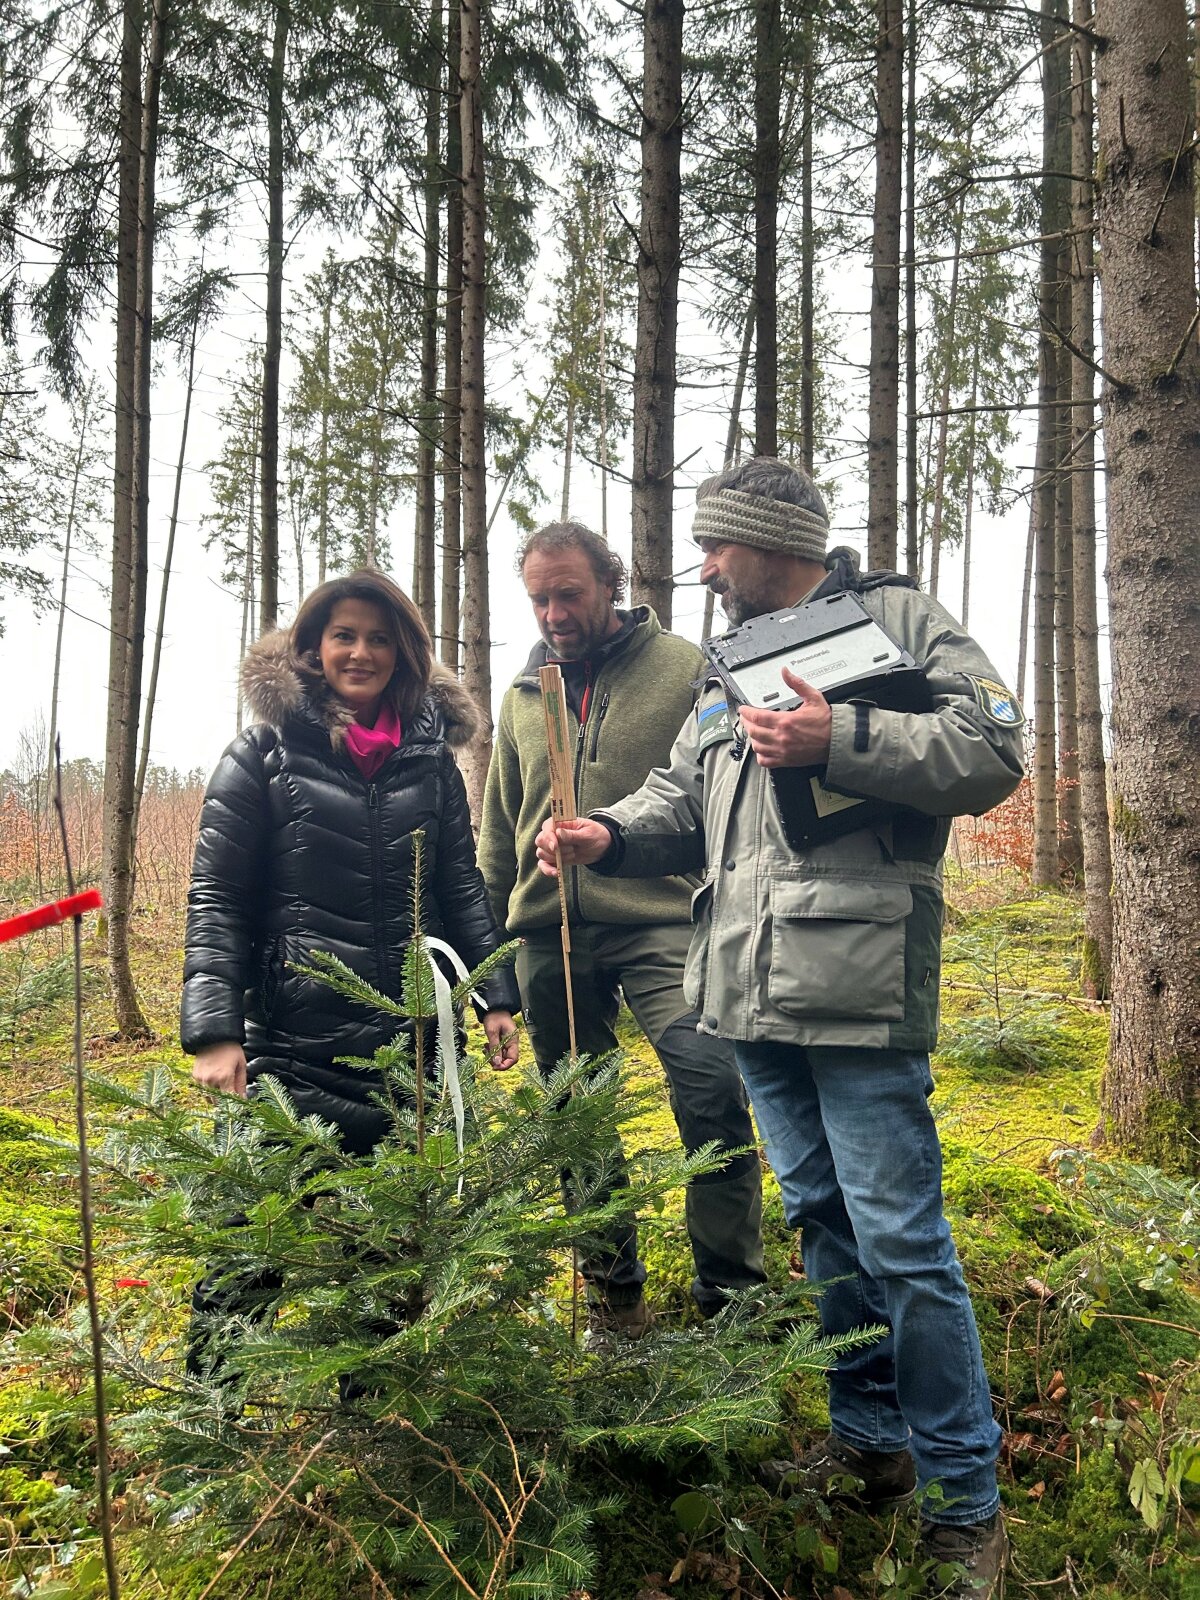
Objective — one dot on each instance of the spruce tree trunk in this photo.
(766, 206)
(731, 437)
(943, 443)
(658, 306)
(883, 403)
(85, 413)
(1093, 777)
(143, 358)
(602, 363)
(425, 541)
(1045, 800)
(969, 491)
(569, 436)
(248, 572)
(912, 542)
(268, 600)
(1026, 590)
(128, 597)
(1070, 824)
(808, 265)
(477, 644)
(1151, 425)
(329, 282)
(168, 558)
(451, 631)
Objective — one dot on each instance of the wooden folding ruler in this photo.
(562, 808)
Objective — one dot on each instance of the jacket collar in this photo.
(276, 693)
(638, 627)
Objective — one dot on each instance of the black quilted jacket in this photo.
(298, 852)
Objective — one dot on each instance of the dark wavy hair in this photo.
(557, 536)
(409, 683)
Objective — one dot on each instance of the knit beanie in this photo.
(763, 522)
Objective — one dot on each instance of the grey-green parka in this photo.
(838, 944)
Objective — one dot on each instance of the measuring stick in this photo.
(562, 809)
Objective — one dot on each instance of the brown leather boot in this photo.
(839, 1471)
(970, 1559)
(607, 1324)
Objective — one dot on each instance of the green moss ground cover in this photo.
(1085, 1295)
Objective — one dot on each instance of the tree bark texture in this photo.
(602, 363)
(912, 540)
(1026, 590)
(1070, 824)
(808, 266)
(268, 544)
(85, 413)
(127, 612)
(943, 442)
(569, 434)
(477, 644)
(1152, 444)
(1045, 799)
(969, 489)
(326, 414)
(451, 626)
(1093, 775)
(658, 306)
(425, 541)
(767, 48)
(168, 558)
(883, 403)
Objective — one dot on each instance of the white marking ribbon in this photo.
(445, 1040)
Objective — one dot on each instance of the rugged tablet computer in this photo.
(835, 644)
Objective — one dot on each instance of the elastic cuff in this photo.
(610, 862)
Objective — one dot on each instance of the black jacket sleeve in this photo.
(461, 896)
(221, 945)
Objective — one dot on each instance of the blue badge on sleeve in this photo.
(715, 725)
(997, 702)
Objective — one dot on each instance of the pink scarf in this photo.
(370, 747)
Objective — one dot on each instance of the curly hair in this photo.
(558, 536)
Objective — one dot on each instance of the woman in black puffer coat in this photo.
(306, 844)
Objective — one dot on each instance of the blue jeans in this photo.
(853, 1143)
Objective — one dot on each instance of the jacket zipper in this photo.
(600, 716)
(376, 834)
(580, 747)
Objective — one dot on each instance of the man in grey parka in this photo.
(822, 965)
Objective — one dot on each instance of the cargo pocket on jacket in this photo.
(697, 957)
(837, 948)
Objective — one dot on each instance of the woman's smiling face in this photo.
(358, 655)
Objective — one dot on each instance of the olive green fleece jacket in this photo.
(641, 694)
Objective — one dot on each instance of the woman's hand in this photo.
(221, 1068)
(504, 1046)
(579, 843)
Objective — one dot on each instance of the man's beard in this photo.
(739, 606)
(592, 631)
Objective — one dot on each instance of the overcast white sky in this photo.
(195, 715)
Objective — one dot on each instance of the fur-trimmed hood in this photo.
(275, 693)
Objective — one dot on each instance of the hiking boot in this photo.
(607, 1324)
(970, 1560)
(838, 1471)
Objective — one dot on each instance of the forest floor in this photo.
(1083, 1271)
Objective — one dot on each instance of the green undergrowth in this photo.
(1083, 1278)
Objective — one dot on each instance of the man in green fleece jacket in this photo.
(629, 687)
